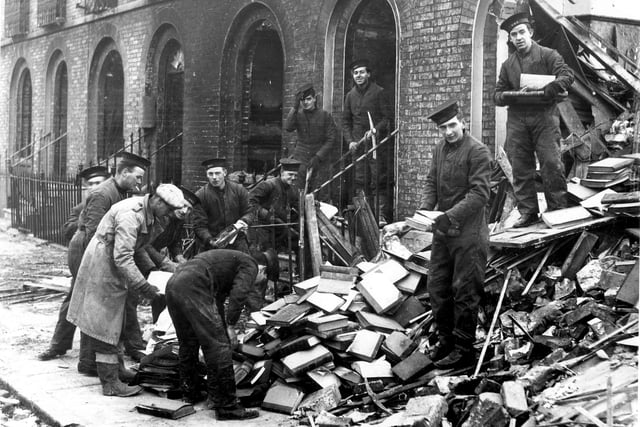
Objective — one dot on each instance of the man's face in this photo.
(184, 211)
(520, 36)
(308, 103)
(132, 178)
(162, 208)
(289, 177)
(361, 76)
(452, 130)
(216, 176)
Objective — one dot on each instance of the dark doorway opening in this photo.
(110, 107)
(60, 120)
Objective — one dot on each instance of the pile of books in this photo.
(423, 220)
(338, 329)
(607, 172)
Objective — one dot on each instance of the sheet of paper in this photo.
(159, 279)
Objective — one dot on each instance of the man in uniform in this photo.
(367, 97)
(108, 272)
(316, 132)
(195, 299)
(223, 204)
(62, 339)
(457, 185)
(533, 128)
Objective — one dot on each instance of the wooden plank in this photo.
(347, 251)
(367, 227)
(578, 254)
(313, 234)
(629, 290)
(503, 161)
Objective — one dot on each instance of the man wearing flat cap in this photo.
(275, 201)
(533, 128)
(364, 98)
(62, 339)
(316, 132)
(108, 272)
(223, 204)
(458, 186)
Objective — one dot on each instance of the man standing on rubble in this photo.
(533, 128)
(364, 99)
(108, 272)
(62, 339)
(195, 299)
(316, 132)
(457, 185)
(224, 206)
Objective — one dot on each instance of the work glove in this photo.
(240, 225)
(442, 224)
(314, 162)
(148, 291)
(353, 146)
(552, 90)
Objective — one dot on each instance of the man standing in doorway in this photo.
(457, 185)
(533, 128)
(316, 132)
(222, 204)
(364, 99)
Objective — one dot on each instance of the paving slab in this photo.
(62, 396)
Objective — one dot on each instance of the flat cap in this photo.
(360, 62)
(215, 163)
(189, 196)
(130, 159)
(94, 171)
(444, 112)
(516, 19)
(305, 90)
(290, 165)
(171, 195)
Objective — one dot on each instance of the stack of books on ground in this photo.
(158, 371)
(608, 172)
(337, 331)
(625, 204)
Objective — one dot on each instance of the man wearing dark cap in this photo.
(275, 201)
(108, 272)
(195, 299)
(367, 97)
(224, 206)
(458, 186)
(316, 132)
(130, 172)
(533, 128)
(62, 339)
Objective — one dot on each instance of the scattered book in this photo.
(378, 323)
(347, 375)
(380, 292)
(408, 310)
(629, 197)
(306, 360)
(413, 365)
(295, 344)
(301, 288)
(282, 398)
(608, 175)
(365, 345)
(289, 314)
(377, 369)
(325, 302)
(579, 192)
(172, 409)
(567, 217)
(327, 323)
(335, 286)
(409, 283)
(390, 269)
(324, 377)
(610, 164)
(398, 346)
(604, 183)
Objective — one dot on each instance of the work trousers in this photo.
(531, 134)
(456, 277)
(198, 323)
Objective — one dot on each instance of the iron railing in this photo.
(51, 12)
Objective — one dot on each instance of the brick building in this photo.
(200, 78)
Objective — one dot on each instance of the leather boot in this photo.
(125, 375)
(111, 384)
(235, 412)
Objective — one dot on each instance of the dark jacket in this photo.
(97, 205)
(539, 60)
(273, 193)
(224, 273)
(458, 181)
(71, 225)
(316, 133)
(219, 209)
(355, 121)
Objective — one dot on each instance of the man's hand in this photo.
(552, 90)
(233, 338)
(240, 225)
(148, 291)
(168, 265)
(180, 259)
(370, 133)
(442, 224)
(353, 146)
(212, 244)
(264, 214)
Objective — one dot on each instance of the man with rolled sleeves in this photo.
(108, 272)
(533, 129)
(457, 185)
(367, 97)
(62, 339)
(316, 131)
(195, 299)
(223, 204)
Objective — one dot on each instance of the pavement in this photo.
(54, 389)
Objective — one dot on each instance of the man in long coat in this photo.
(107, 273)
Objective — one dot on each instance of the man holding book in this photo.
(195, 299)
(458, 186)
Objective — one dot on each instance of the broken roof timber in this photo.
(585, 41)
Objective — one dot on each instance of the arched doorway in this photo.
(59, 119)
(371, 34)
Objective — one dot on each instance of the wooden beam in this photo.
(313, 233)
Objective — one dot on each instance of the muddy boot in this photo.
(125, 375)
(235, 412)
(108, 367)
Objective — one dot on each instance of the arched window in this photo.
(23, 116)
(59, 122)
(110, 103)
